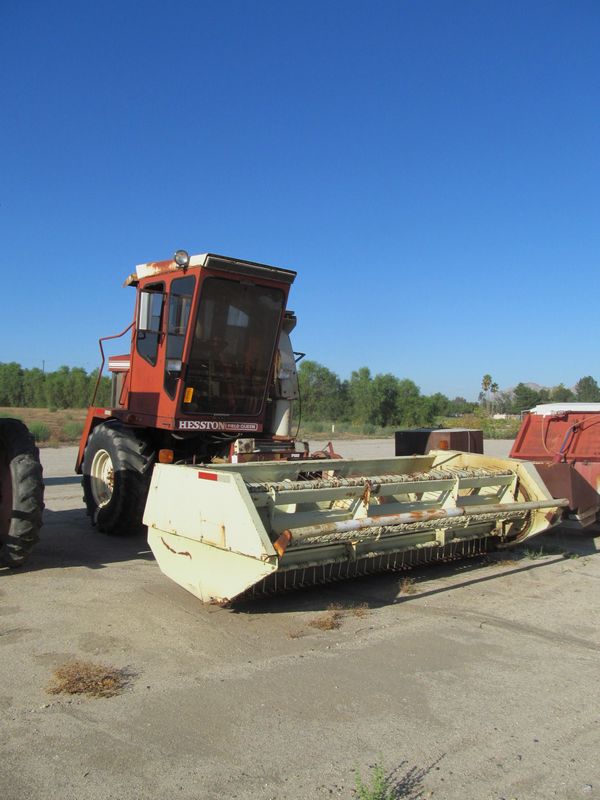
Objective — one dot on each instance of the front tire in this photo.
(117, 465)
(21, 493)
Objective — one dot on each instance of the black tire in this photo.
(117, 465)
(21, 493)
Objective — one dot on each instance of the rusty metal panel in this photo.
(566, 480)
(568, 436)
(564, 443)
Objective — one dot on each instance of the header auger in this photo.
(198, 446)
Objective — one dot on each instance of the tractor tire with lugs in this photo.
(21, 493)
(117, 466)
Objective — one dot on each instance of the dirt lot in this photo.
(477, 681)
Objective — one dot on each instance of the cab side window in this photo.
(149, 321)
(180, 304)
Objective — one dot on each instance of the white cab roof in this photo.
(549, 409)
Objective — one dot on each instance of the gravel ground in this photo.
(477, 680)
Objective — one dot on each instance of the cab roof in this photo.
(214, 261)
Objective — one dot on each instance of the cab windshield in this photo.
(232, 349)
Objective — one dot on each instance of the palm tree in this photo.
(487, 384)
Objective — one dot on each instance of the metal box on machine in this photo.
(419, 441)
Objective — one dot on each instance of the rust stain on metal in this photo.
(153, 268)
(176, 552)
(366, 497)
(280, 544)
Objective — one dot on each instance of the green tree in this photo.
(11, 385)
(34, 388)
(504, 403)
(461, 406)
(560, 394)
(438, 404)
(544, 395)
(413, 409)
(494, 392)
(66, 388)
(488, 386)
(57, 388)
(360, 389)
(104, 390)
(384, 399)
(524, 398)
(587, 390)
(79, 388)
(320, 392)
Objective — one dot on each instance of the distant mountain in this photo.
(535, 386)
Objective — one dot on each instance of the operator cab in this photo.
(204, 344)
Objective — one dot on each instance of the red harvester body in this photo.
(564, 442)
(205, 373)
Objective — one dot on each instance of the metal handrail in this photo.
(106, 339)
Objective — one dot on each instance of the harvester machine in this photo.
(198, 446)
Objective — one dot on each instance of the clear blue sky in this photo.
(430, 169)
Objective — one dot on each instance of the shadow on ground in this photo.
(384, 589)
(67, 539)
(64, 481)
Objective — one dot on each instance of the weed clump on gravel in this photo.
(329, 621)
(297, 633)
(360, 610)
(407, 586)
(84, 677)
(378, 788)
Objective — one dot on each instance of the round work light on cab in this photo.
(181, 258)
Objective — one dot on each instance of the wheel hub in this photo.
(102, 478)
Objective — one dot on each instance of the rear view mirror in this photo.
(150, 311)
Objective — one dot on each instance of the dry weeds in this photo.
(360, 610)
(407, 586)
(503, 562)
(84, 677)
(329, 621)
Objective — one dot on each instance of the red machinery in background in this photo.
(563, 439)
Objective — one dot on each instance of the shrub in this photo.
(39, 431)
(379, 787)
(8, 415)
(72, 431)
